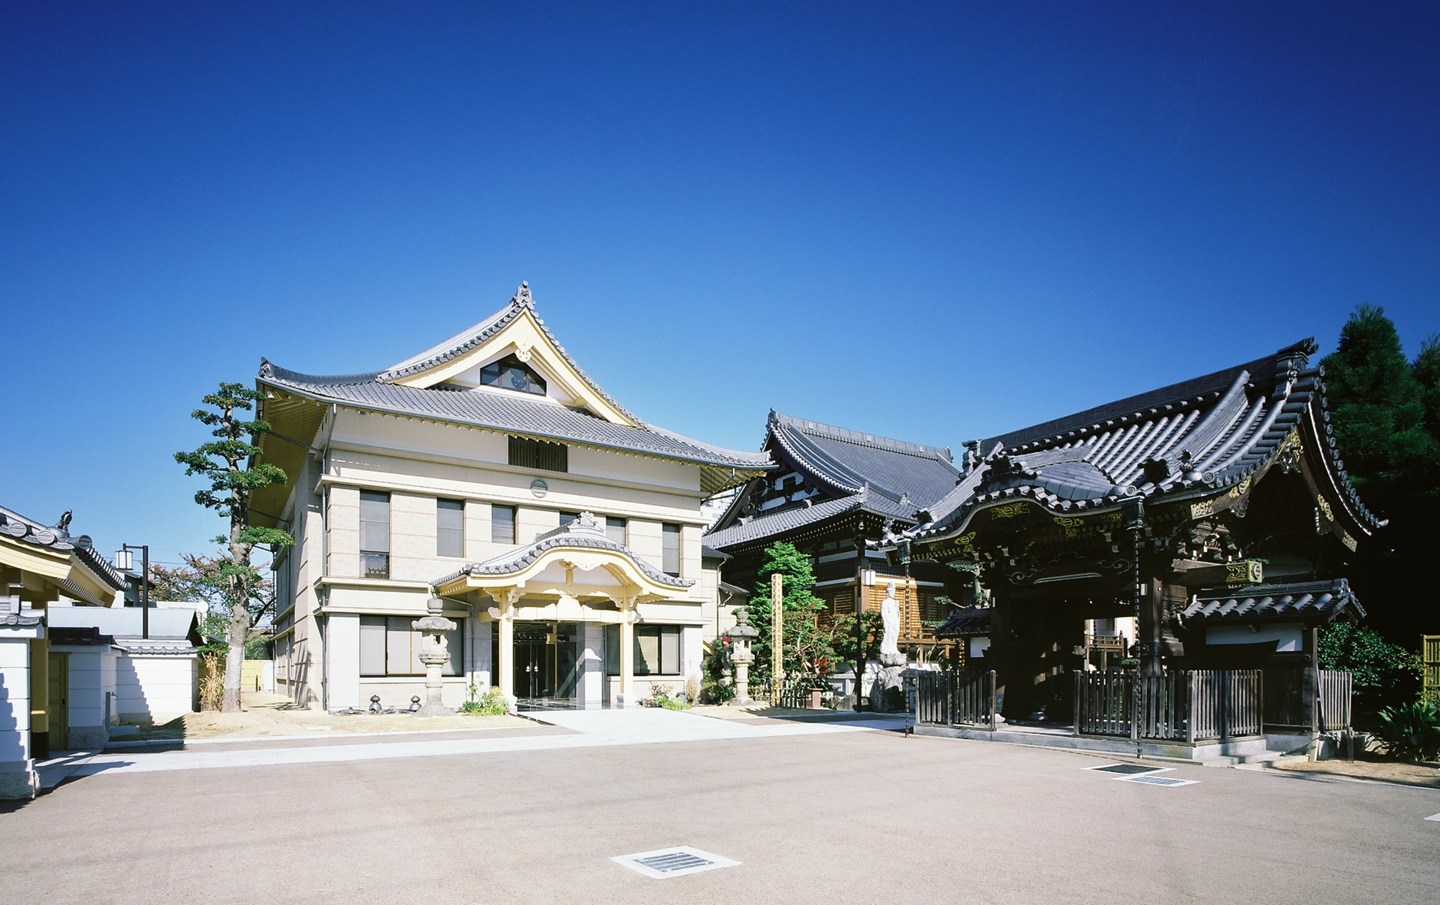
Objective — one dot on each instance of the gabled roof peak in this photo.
(845, 435)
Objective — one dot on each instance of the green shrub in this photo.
(492, 703)
(1385, 675)
(1411, 731)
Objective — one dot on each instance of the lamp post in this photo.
(124, 561)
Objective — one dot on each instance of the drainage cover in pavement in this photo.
(1158, 780)
(1127, 769)
(673, 862)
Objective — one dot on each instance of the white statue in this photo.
(889, 642)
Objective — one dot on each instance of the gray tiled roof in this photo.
(972, 621)
(848, 461)
(577, 535)
(1311, 602)
(58, 538)
(1191, 438)
(782, 521)
(126, 623)
(466, 340)
(507, 412)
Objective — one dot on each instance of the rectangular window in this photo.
(568, 517)
(502, 524)
(390, 647)
(449, 527)
(374, 534)
(657, 650)
(670, 550)
(615, 529)
(372, 645)
(528, 453)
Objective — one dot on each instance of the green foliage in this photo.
(717, 682)
(1378, 402)
(492, 703)
(1386, 418)
(809, 648)
(1384, 674)
(661, 696)
(848, 648)
(1410, 731)
(228, 463)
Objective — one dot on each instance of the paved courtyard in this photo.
(814, 812)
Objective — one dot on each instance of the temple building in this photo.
(1211, 520)
(833, 494)
(561, 532)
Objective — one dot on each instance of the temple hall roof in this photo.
(1312, 602)
(1194, 438)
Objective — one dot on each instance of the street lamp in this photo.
(124, 561)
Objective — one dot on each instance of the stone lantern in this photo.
(742, 657)
(434, 653)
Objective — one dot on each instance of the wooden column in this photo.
(777, 637)
(1149, 631)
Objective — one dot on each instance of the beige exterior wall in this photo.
(418, 463)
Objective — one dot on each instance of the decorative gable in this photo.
(511, 351)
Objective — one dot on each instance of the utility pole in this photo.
(777, 634)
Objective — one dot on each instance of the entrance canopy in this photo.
(572, 573)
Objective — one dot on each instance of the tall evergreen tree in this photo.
(1384, 410)
(808, 649)
(228, 463)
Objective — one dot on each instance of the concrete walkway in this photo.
(586, 729)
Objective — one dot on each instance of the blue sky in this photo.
(930, 221)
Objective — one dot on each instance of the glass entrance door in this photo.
(546, 663)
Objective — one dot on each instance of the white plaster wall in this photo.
(531, 521)
(87, 687)
(14, 702)
(691, 653)
(342, 637)
(156, 687)
(591, 692)
(480, 667)
(343, 530)
(1288, 634)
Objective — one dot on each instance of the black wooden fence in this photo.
(963, 698)
(1181, 705)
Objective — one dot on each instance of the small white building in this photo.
(561, 531)
(155, 678)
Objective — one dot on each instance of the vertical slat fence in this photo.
(1180, 705)
(956, 698)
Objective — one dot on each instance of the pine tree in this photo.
(808, 649)
(228, 463)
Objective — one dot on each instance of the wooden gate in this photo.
(956, 698)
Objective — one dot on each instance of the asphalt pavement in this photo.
(822, 813)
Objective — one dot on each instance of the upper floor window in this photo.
(502, 524)
(615, 529)
(449, 527)
(670, 550)
(510, 373)
(568, 517)
(528, 453)
(374, 534)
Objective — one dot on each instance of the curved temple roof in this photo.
(511, 413)
(57, 537)
(582, 534)
(1196, 438)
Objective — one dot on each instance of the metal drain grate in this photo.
(1128, 769)
(1158, 780)
(664, 863)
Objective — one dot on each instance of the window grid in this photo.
(449, 527)
(670, 550)
(502, 524)
(374, 534)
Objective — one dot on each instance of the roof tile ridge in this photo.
(464, 340)
(271, 371)
(874, 441)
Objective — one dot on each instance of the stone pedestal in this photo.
(434, 653)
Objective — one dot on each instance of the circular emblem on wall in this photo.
(539, 488)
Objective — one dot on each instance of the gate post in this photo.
(1076, 728)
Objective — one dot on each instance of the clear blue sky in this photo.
(934, 222)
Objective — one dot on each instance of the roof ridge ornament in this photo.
(522, 297)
